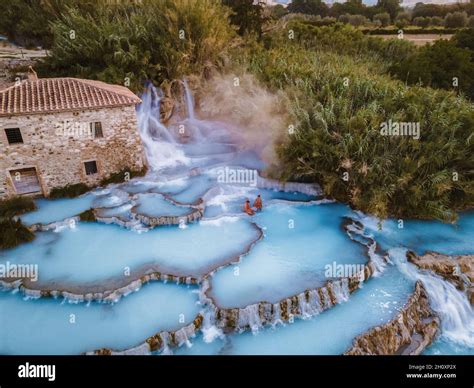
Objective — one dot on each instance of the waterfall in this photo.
(341, 290)
(326, 299)
(250, 316)
(451, 305)
(189, 100)
(312, 306)
(160, 145)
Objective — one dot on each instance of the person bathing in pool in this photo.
(248, 209)
(258, 203)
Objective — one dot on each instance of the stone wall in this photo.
(58, 144)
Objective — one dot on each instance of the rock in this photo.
(409, 333)
(459, 270)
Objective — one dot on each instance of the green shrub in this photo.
(383, 18)
(13, 233)
(69, 191)
(141, 41)
(87, 216)
(122, 176)
(455, 19)
(16, 206)
(339, 99)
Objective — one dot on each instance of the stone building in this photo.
(60, 131)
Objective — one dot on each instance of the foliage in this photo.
(465, 39)
(455, 19)
(339, 101)
(25, 21)
(247, 16)
(69, 191)
(310, 7)
(13, 233)
(384, 18)
(347, 40)
(87, 216)
(392, 7)
(438, 65)
(421, 21)
(441, 10)
(16, 206)
(122, 176)
(145, 41)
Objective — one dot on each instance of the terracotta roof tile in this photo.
(62, 94)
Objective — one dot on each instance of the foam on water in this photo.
(421, 236)
(451, 305)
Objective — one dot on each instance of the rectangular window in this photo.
(14, 135)
(96, 129)
(91, 167)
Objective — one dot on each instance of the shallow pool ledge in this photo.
(409, 333)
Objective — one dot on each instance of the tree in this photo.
(27, 22)
(392, 7)
(438, 65)
(421, 21)
(309, 7)
(470, 21)
(357, 20)
(351, 7)
(139, 43)
(383, 18)
(465, 39)
(247, 16)
(344, 18)
(278, 11)
(402, 19)
(437, 21)
(455, 19)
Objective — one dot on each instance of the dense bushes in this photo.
(122, 176)
(346, 40)
(69, 191)
(339, 104)
(26, 22)
(444, 64)
(455, 19)
(129, 44)
(87, 216)
(16, 206)
(13, 232)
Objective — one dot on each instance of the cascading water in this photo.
(452, 305)
(160, 145)
(189, 100)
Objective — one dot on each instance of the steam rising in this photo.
(260, 116)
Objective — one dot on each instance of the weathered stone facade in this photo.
(57, 145)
